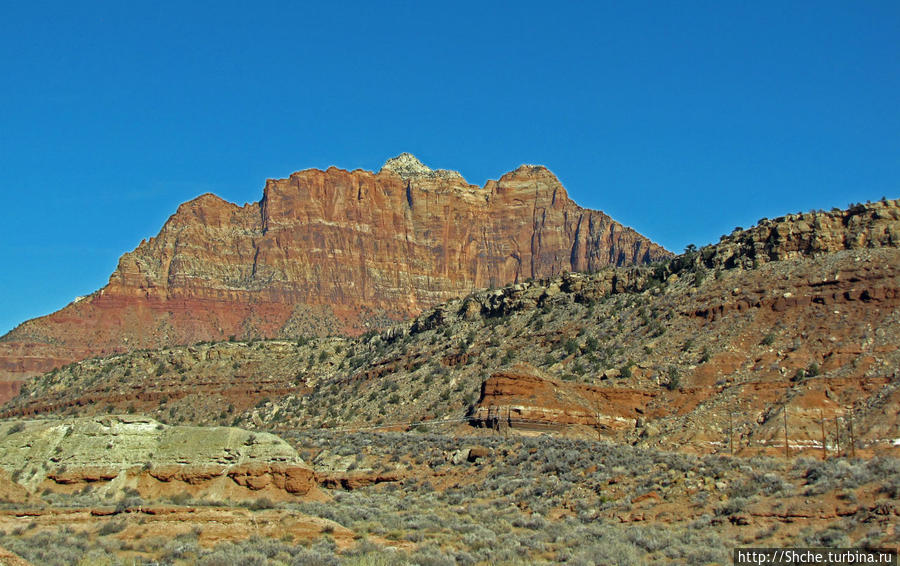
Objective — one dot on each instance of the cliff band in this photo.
(323, 252)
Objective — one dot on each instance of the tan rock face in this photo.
(327, 251)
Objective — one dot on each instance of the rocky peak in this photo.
(408, 166)
(326, 252)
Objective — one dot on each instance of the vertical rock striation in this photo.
(327, 251)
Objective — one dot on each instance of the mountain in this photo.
(326, 252)
(800, 311)
(744, 391)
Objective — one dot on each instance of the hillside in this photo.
(799, 311)
(326, 252)
(585, 418)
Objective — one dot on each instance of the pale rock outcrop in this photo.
(121, 451)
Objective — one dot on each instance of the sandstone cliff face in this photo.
(520, 398)
(327, 251)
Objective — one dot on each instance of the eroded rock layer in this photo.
(323, 252)
(520, 398)
(122, 453)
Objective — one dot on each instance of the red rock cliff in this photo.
(327, 251)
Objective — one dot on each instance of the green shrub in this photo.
(674, 381)
(704, 356)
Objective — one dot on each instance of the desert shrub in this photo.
(823, 476)
(674, 381)
(129, 502)
(533, 522)
(732, 506)
(430, 555)
(314, 557)
(704, 356)
(180, 548)
(228, 554)
(699, 277)
(769, 483)
(17, 427)
(53, 548)
(833, 536)
(260, 503)
(180, 498)
(649, 539)
(607, 551)
(692, 547)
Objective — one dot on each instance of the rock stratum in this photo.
(116, 454)
(326, 252)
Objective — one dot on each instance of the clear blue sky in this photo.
(680, 119)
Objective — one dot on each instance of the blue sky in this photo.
(682, 120)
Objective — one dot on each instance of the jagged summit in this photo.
(408, 166)
(326, 252)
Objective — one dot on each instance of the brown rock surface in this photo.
(326, 251)
(522, 399)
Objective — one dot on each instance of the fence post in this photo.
(508, 423)
(491, 421)
(824, 445)
(837, 435)
(730, 433)
(786, 448)
(852, 439)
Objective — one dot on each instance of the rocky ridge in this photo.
(408, 167)
(326, 252)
